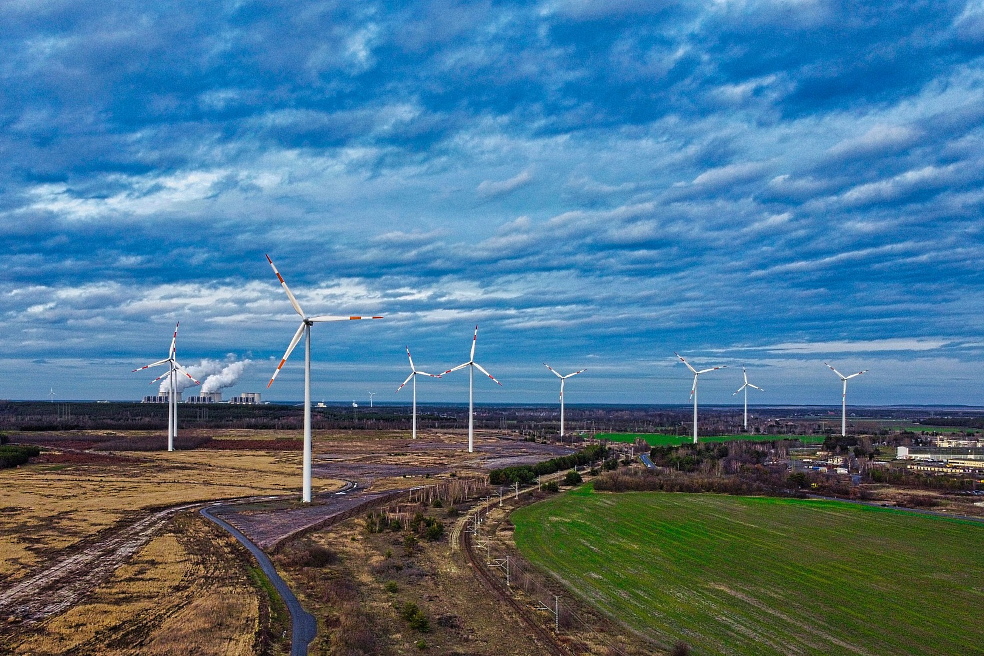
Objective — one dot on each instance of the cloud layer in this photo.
(764, 182)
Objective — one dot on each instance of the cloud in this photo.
(494, 188)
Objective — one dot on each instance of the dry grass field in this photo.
(187, 591)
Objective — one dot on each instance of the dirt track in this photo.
(57, 587)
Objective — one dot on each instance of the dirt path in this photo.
(64, 583)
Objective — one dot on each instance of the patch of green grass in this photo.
(664, 439)
(753, 575)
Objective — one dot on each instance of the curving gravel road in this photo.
(304, 626)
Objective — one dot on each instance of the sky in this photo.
(772, 184)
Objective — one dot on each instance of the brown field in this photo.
(186, 592)
(188, 582)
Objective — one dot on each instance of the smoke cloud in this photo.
(225, 378)
(213, 374)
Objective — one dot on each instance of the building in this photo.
(207, 397)
(246, 398)
(162, 397)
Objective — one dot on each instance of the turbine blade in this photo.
(575, 373)
(326, 317)
(741, 388)
(161, 376)
(704, 371)
(152, 364)
(474, 341)
(174, 340)
(178, 367)
(756, 387)
(412, 368)
(406, 381)
(744, 374)
(552, 369)
(424, 373)
(685, 362)
(487, 374)
(293, 301)
(293, 343)
(835, 371)
(460, 366)
(857, 374)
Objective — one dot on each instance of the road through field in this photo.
(304, 627)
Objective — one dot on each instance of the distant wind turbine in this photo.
(371, 394)
(413, 377)
(172, 398)
(844, 380)
(563, 379)
(471, 364)
(693, 390)
(745, 387)
(304, 331)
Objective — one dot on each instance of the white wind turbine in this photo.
(745, 387)
(844, 380)
(172, 400)
(413, 376)
(693, 390)
(563, 379)
(305, 331)
(471, 364)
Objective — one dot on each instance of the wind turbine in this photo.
(371, 394)
(563, 379)
(471, 364)
(413, 376)
(693, 390)
(745, 387)
(172, 398)
(844, 380)
(304, 331)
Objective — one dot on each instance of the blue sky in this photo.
(595, 184)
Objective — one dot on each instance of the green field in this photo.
(753, 575)
(665, 439)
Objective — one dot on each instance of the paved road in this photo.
(305, 627)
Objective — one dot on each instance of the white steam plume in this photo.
(203, 368)
(225, 378)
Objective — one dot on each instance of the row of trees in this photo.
(526, 474)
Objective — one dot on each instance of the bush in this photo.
(15, 456)
(552, 487)
(415, 617)
(3, 438)
(573, 478)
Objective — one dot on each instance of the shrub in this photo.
(415, 617)
(573, 478)
(552, 487)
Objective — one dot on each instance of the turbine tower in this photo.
(844, 380)
(172, 399)
(304, 331)
(413, 376)
(745, 387)
(371, 394)
(693, 390)
(471, 364)
(563, 379)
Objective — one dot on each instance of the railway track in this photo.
(541, 634)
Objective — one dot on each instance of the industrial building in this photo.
(246, 398)
(162, 397)
(207, 397)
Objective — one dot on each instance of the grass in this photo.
(665, 439)
(764, 575)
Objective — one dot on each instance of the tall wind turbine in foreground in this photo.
(305, 331)
(563, 379)
(471, 364)
(693, 390)
(844, 380)
(413, 376)
(745, 387)
(172, 399)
